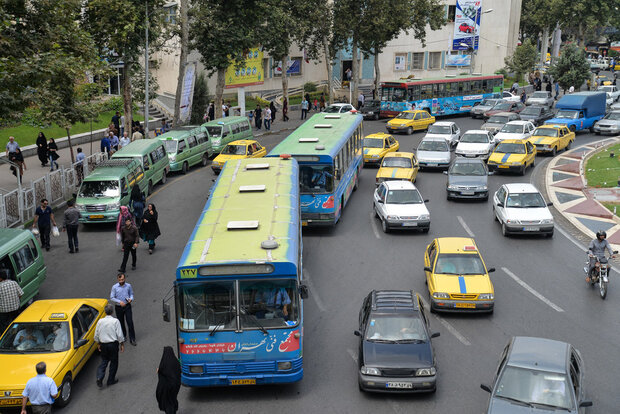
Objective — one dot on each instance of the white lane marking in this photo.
(466, 227)
(373, 224)
(352, 354)
(313, 292)
(449, 327)
(532, 290)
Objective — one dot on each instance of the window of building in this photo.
(417, 61)
(451, 13)
(400, 62)
(266, 68)
(171, 13)
(434, 60)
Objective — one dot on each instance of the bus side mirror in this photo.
(303, 291)
(166, 312)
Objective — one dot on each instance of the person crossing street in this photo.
(122, 297)
(109, 336)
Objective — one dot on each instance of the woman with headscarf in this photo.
(52, 150)
(122, 216)
(42, 149)
(137, 202)
(169, 382)
(273, 111)
(149, 229)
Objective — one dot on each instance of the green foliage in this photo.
(523, 59)
(571, 69)
(200, 99)
(613, 53)
(310, 87)
(602, 170)
(502, 71)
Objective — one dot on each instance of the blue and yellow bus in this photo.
(441, 96)
(238, 289)
(328, 148)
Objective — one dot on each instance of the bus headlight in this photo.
(80, 207)
(196, 369)
(283, 366)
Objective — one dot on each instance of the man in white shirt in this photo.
(124, 140)
(109, 335)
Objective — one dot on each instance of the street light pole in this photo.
(474, 51)
(146, 72)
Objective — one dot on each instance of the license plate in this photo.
(248, 381)
(467, 192)
(413, 224)
(11, 401)
(465, 305)
(304, 223)
(432, 164)
(531, 228)
(402, 385)
(502, 166)
(96, 216)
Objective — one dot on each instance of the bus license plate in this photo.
(11, 401)
(247, 381)
(466, 305)
(96, 216)
(402, 385)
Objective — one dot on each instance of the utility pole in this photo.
(146, 72)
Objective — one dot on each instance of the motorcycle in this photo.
(600, 273)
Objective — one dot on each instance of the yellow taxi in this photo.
(398, 166)
(377, 145)
(552, 138)
(409, 121)
(59, 332)
(457, 278)
(512, 155)
(243, 148)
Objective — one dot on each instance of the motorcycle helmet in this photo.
(601, 233)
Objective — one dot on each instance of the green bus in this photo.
(186, 147)
(223, 131)
(152, 155)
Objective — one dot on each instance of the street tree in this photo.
(200, 100)
(182, 33)
(581, 18)
(571, 69)
(523, 59)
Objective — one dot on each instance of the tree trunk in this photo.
(68, 129)
(580, 39)
(377, 74)
(557, 41)
(219, 91)
(544, 46)
(182, 61)
(354, 70)
(328, 64)
(127, 103)
(284, 81)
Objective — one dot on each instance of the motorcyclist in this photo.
(596, 252)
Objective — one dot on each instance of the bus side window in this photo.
(7, 267)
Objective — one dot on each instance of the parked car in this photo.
(497, 121)
(613, 90)
(508, 106)
(447, 130)
(610, 124)
(371, 109)
(543, 98)
(338, 108)
(481, 107)
(475, 143)
(467, 179)
(520, 208)
(433, 153)
(515, 130)
(510, 97)
(579, 110)
(395, 348)
(399, 205)
(537, 114)
(538, 375)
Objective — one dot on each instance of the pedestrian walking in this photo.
(322, 101)
(105, 145)
(122, 297)
(71, 224)
(557, 90)
(307, 96)
(272, 108)
(52, 150)
(227, 109)
(109, 336)
(42, 149)
(285, 109)
(548, 87)
(123, 142)
(168, 382)
(79, 164)
(114, 142)
(523, 97)
(123, 215)
(360, 100)
(116, 118)
(11, 151)
(267, 118)
(122, 125)
(258, 114)
(41, 391)
(136, 202)
(515, 87)
(315, 105)
(44, 218)
(304, 108)
(129, 240)
(17, 158)
(211, 111)
(136, 134)
(10, 294)
(149, 229)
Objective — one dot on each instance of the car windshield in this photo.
(439, 129)
(605, 88)
(99, 189)
(567, 114)
(502, 106)
(525, 200)
(395, 328)
(614, 116)
(475, 138)
(467, 168)
(405, 115)
(535, 387)
(459, 264)
(39, 337)
(403, 197)
(532, 110)
(488, 102)
(396, 162)
(332, 109)
(540, 95)
(498, 119)
(234, 150)
(510, 148)
(545, 132)
(373, 143)
(316, 179)
(512, 129)
(440, 146)
(171, 146)
(214, 131)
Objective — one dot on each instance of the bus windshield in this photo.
(373, 143)
(396, 162)
(99, 189)
(214, 131)
(316, 179)
(171, 146)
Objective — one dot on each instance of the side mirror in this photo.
(445, 173)
(486, 388)
(490, 270)
(303, 291)
(426, 200)
(166, 312)
(586, 403)
(427, 269)
(615, 251)
(357, 333)
(500, 204)
(80, 343)
(435, 334)
(380, 201)
(549, 204)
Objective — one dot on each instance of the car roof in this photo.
(243, 142)
(399, 154)
(13, 236)
(551, 126)
(444, 123)
(378, 135)
(521, 188)
(113, 169)
(394, 300)
(538, 354)
(456, 245)
(42, 310)
(477, 131)
(464, 160)
(137, 147)
(440, 139)
(414, 111)
(399, 185)
(518, 122)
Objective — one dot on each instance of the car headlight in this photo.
(516, 163)
(374, 156)
(482, 187)
(451, 187)
(80, 207)
(547, 221)
(547, 147)
(486, 296)
(283, 366)
(513, 221)
(425, 372)
(370, 371)
(392, 217)
(424, 217)
(441, 295)
(216, 163)
(370, 113)
(114, 206)
(196, 369)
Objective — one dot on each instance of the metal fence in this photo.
(18, 206)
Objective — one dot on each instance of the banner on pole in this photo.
(250, 74)
(187, 94)
(467, 24)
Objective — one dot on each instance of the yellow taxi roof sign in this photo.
(469, 248)
(58, 316)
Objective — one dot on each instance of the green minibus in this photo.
(152, 156)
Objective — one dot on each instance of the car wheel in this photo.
(185, 168)
(494, 215)
(65, 391)
(572, 128)
(433, 309)
(359, 386)
(568, 145)
(534, 162)
(549, 235)
(522, 171)
(591, 130)
(504, 230)
(164, 177)
(409, 131)
(205, 160)
(384, 226)
(426, 230)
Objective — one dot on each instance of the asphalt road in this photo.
(539, 290)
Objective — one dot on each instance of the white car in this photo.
(510, 97)
(515, 130)
(399, 205)
(475, 143)
(608, 99)
(433, 153)
(520, 208)
(444, 129)
(338, 108)
(611, 89)
(615, 107)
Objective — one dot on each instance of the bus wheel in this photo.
(409, 131)
(185, 168)
(164, 177)
(357, 179)
(205, 160)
